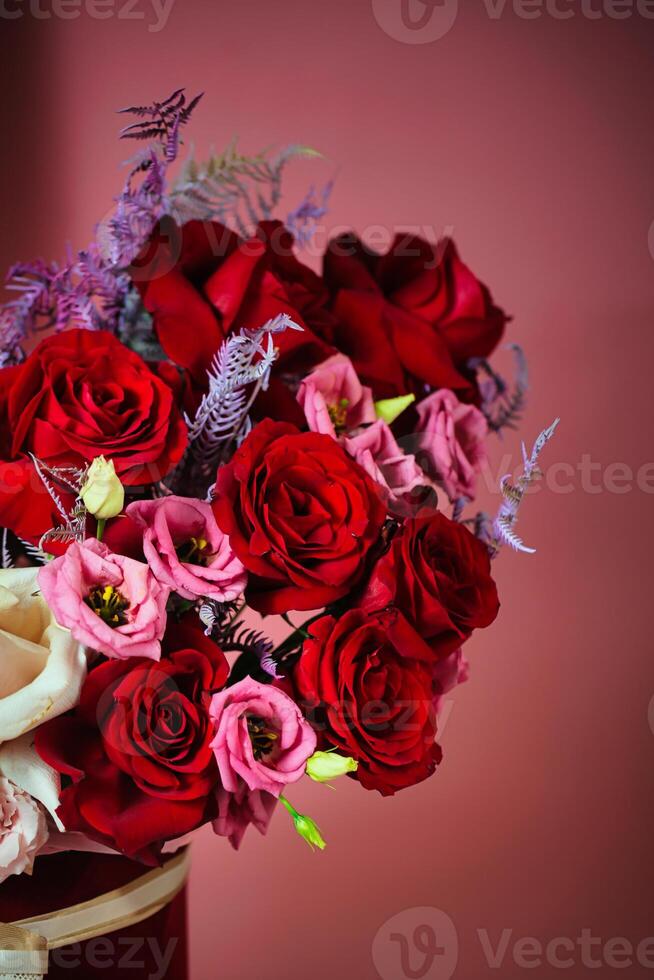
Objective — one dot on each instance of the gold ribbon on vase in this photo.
(24, 944)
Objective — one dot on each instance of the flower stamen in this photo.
(195, 551)
(263, 739)
(109, 604)
(338, 415)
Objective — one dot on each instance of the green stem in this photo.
(289, 806)
(100, 528)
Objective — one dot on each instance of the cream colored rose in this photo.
(41, 666)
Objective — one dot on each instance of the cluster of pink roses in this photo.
(449, 437)
(171, 526)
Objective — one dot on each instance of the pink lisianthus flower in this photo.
(334, 400)
(23, 830)
(236, 811)
(453, 437)
(186, 549)
(110, 603)
(261, 737)
(447, 674)
(396, 472)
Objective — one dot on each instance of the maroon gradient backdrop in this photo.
(531, 141)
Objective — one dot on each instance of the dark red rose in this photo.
(137, 747)
(438, 574)
(412, 317)
(300, 514)
(82, 394)
(365, 682)
(202, 281)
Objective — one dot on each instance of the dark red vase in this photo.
(155, 949)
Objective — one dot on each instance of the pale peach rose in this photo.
(42, 666)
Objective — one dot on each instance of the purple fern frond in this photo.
(90, 290)
(502, 404)
(513, 494)
(302, 221)
(85, 292)
(162, 121)
(33, 305)
(138, 208)
(154, 108)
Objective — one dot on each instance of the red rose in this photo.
(137, 747)
(201, 282)
(301, 516)
(82, 394)
(366, 681)
(438, 574)
(412, 317)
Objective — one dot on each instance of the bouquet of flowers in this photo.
(207, 428)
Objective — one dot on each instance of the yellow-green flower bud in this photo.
(307, 829)
(323, 766)
(103, 494)
(305, 826)
(388, 409)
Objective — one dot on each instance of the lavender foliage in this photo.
(240, 370)
(90, 290)
(161, 121)
(303, 220)
(503, 404)
(93, 290)
(238, 190)
(513, 495)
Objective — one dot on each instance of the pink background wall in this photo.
(532, 140)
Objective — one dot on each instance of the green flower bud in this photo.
(388, 409)
(323, 766)
(103, 494)
(305, 826)
(307, 829)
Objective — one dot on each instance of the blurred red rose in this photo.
(202, 281)
(438, 574)
(365, 682)
(412, 317)
(82, 394)
(137, 747)
(301, 516)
